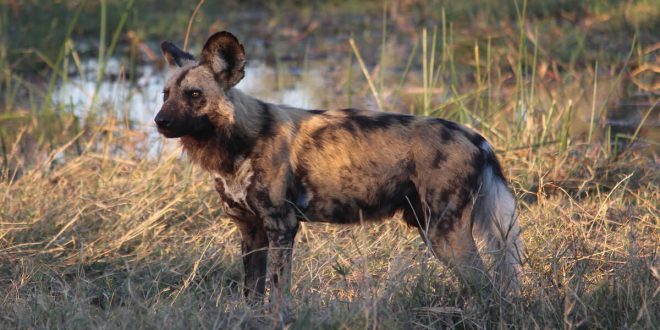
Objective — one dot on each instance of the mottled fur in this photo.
(276, 166)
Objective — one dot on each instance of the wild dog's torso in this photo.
(341, 166)
(364, 165)
(352, 165)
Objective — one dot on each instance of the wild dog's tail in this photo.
(495, 219)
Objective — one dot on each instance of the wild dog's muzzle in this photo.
(166, 125)
(163, 122)
(174, 124)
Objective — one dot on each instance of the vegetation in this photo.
(104, 226)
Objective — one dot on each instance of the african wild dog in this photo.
(276, 166)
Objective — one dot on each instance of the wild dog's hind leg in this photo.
(452, 242)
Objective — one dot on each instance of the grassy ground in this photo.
(96, 232)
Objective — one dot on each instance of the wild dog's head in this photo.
(195, 96)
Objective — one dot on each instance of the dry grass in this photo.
(124, 242)
(96, 232)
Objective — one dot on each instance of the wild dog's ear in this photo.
(174, 55)
(225, 55)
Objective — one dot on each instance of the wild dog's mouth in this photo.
(200, 127)
(168, 133)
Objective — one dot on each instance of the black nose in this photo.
(163, 122)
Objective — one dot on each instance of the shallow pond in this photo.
(319, 85)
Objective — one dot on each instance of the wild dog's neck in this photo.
(223, 150)
(250, 114)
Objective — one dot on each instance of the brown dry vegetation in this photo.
(97, 232)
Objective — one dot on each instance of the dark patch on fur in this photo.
(447, 123)
(471, 179)
(446, 134)
(386, 201)
(345, 212)
(401, 119)
(348, 179)
(449, 128)
(181, 77)
(299, 196)
(439, 159)
(350, 126)
(368, 123)
(388, 197)
(318, 134)
(446, 206)
(380, 121)
(356, 121)
(267, 121)
(413, 213)
(239, 144)
(486, 158)
(203, 128)
(447, 203)
(261, 196)
(176, 54)
(300, 187)
(231, 145)
(477, 140)
(490, 159)
(317, 112)
(320, 137)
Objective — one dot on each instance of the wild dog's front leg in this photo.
(254, 246)
(254, 249)
(281, 228)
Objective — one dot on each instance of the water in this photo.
(138, 102)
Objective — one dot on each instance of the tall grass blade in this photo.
(367, 76)
(108, 54)
(593, 104)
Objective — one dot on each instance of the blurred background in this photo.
(67, 64)
(103, 223)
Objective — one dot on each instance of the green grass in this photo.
(96, 234)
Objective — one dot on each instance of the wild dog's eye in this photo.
(166, 94)
(195, 94)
